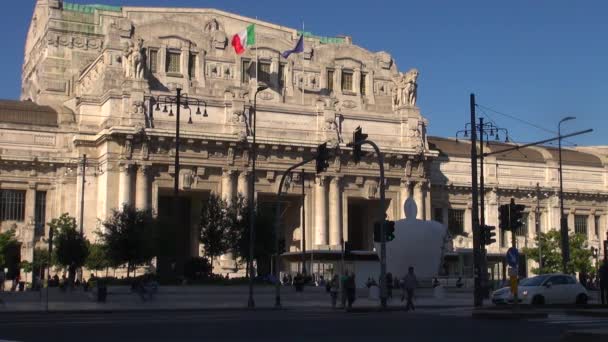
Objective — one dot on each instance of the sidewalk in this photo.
(202, 298)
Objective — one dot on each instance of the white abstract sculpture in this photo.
(417, 243)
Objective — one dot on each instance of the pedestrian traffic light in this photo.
(390, 230)
(503, 217)
(516, 215)
(322, 158)
(358, 137)
(377, 232)
(489, 235)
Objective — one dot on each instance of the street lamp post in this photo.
(562, 219)
(179, 100)
(250, 302)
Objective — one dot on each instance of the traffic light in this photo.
(503, 217)
(517, 215)
(390, 230)
(358, 137)
(489, 235)
(377, 232)
(322, 158)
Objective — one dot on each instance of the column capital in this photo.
(228, 172)
(321, 180)
(144, 169)
(245, 173)
(337, 180)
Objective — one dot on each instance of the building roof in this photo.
(27, 113)
(450, 147)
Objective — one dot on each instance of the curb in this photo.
(590, 335)
(142, 309)
(487, 314)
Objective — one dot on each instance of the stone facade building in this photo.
(91, 78)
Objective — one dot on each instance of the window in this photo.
(281, 75)
(153, 63)
(264, 72)
(438, 214)
(330, 80)
(456, 221)
(40, 213)
(596, 229)
(362, 88)
(245, 72)
(347, 81)
(173, 62)
(192, 65)
(580, 224)
(12, 205)
(523, 230)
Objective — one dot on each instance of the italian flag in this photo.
(244, 39)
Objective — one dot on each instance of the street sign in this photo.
(513, 257)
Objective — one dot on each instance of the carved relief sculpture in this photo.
(134, 59)
(405, 91)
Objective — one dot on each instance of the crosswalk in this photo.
(574, 321)
(554, 319)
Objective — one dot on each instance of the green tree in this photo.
(550, 242)
(214, 227)
(41, 261)
(27, 267)
(97, 259)
(70, 246)
(8, 246)
(129, 237)
(238, 235)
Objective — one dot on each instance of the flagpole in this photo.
(302, 64)
(255, 36)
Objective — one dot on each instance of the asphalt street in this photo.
(270, 325)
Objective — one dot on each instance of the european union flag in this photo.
(297, 49)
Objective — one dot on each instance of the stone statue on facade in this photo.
(405, 90)
(134, 59)
(219, 40)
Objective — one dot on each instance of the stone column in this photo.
(427, 201)
(320, 212)
(405, 192)
(419, 198)
(142, 188)
(228, 185)
(357, 81)
(335, 211)
(124, 185)
(243, 184)
(338, 80)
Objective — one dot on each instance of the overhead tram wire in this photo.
(513, 117)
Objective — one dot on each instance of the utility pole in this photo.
(514, 245)
(482, 194)
(477, 294)
(303, 225)
(538, 232)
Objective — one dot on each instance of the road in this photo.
(269, 325)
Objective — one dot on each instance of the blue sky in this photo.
(537, 60)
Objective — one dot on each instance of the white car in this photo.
(545, 289)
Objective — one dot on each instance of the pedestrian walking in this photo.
(389, 285)
(604, 282)
(409, 283)
(334, 288)
(351, 289)
(343, 294)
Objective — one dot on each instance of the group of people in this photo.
(346, 286)
(407, 284)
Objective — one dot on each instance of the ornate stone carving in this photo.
(385, 61)
(134, 59)
(219, 40)
(405, 92)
